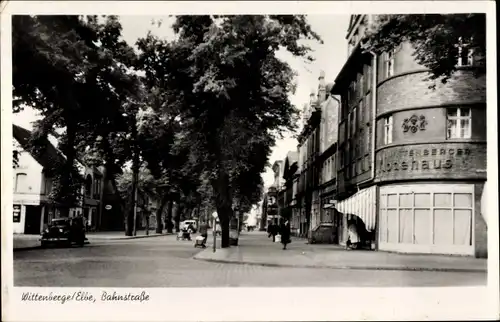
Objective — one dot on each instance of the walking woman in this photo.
(285, 233)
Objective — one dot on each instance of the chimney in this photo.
(321, 87)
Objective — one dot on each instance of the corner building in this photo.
(429, 151)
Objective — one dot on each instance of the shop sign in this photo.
(431, 159)
(17, 213)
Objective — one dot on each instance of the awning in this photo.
(361, 204)
(484, 203)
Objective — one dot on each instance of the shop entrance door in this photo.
(32, 221)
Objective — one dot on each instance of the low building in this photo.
(33, 185)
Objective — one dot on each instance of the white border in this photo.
(257, 303)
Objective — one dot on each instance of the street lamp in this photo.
(214, 216)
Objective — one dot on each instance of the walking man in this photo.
(285, 233)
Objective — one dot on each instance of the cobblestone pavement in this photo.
(165, 262)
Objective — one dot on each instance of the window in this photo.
(459, 123)
(368, 77)
(388, 130)
(349, 126)
(367, 141)
(334, 170)
(21, 183)
(361, 114)
(465, 57)
(354, 121)
(389, 64)
(88, 186)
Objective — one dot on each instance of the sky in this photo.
(329, 57)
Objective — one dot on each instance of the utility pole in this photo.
(135, 173)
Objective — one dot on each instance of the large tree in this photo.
(230, 90)
(436, 39)
(75, 70)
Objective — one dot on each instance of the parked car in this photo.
(66, 231)
(186, 224)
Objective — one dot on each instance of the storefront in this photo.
(362, 207)
(427, 218)
(27, 216)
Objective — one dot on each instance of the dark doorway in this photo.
(32, 220)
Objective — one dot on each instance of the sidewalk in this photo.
(116, 235)
(255, 248)
(23, 242)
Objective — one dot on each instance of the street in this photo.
(165, 262)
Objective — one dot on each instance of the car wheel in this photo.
(43, 244)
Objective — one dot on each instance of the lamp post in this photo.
(214, 216)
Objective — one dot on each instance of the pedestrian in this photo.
(285, 233)
(204, 231)
(353, 236)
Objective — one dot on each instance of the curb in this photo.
(20, 249)
(378, 268)
(128, 237)
(94, 239)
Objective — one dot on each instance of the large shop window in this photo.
(459, 123)
(388, 130)
(437, 218)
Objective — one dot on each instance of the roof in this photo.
(47, 157)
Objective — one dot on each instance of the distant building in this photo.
(291, 175)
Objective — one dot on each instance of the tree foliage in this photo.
(74, 71)
(436, 39)
(222, 79)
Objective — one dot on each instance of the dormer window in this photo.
(465, 57)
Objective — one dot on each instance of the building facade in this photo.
(291, 175)
(308, 188)
(329, 106)
(412, 162)
(32, 209)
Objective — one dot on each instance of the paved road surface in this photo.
(163, 262)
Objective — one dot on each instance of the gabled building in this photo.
(33, 185)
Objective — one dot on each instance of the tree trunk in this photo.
(223, 202)
(168, 221)
(129, 214)
(159, 214)
(177, 218)
(132, 218)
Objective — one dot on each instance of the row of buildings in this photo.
(32, 184)
(381, 149)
